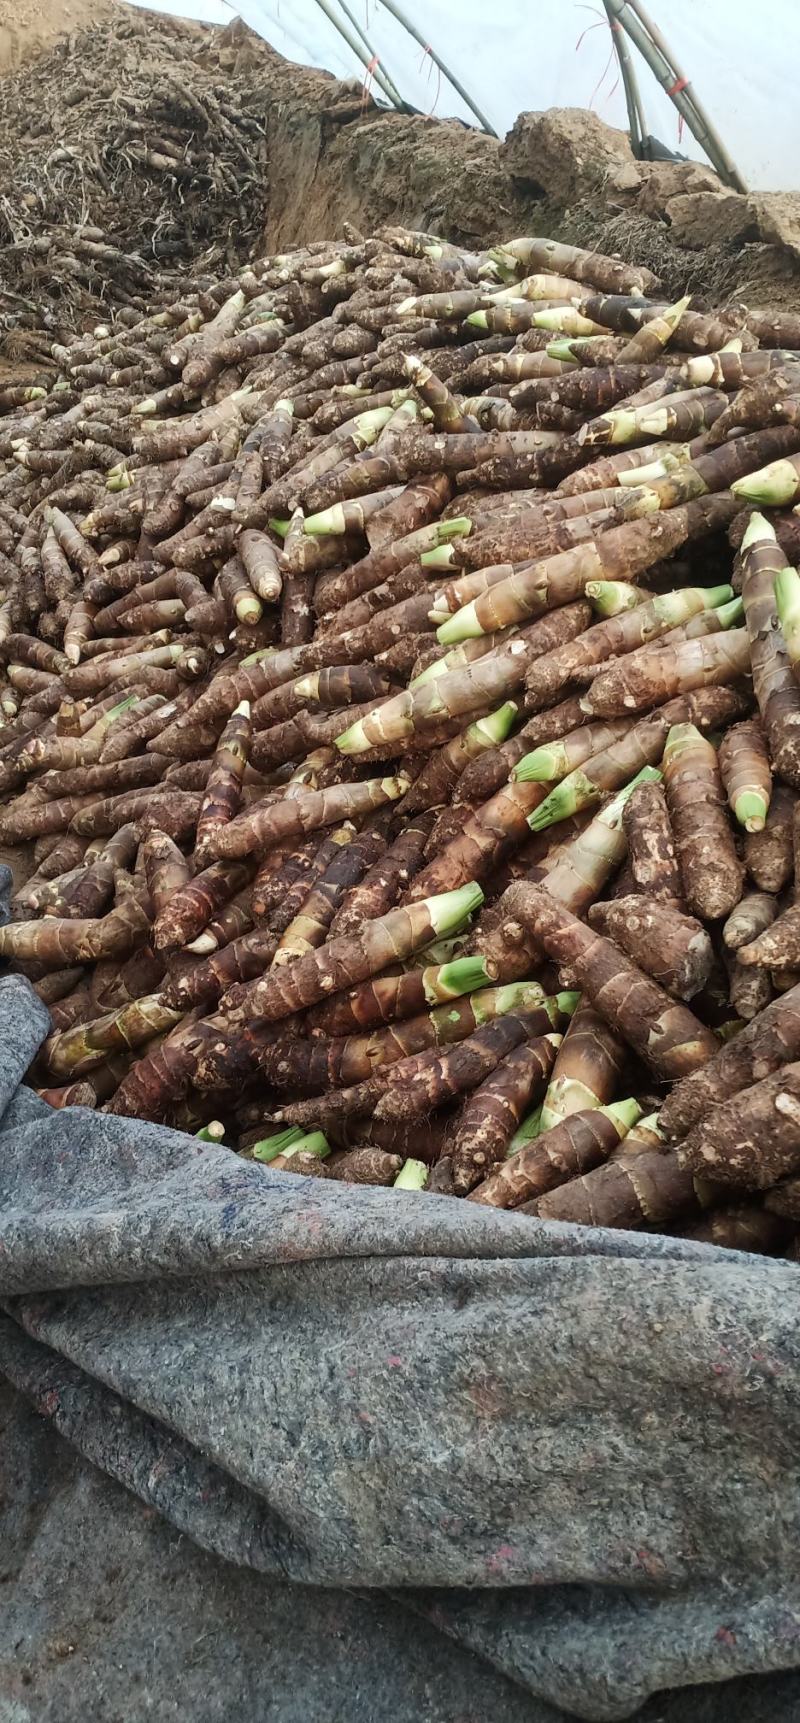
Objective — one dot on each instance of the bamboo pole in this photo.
(634, 20)
(398, 13)
(355, 47)
(633, 100)
(398, 99)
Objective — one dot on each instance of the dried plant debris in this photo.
(125, 160)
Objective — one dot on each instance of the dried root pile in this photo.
(401, 690)
(123, 165)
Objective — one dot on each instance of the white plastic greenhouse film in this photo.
(534, 54)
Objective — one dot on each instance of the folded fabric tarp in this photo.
(575, 1453)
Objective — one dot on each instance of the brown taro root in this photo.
(35, 820)
(142, 973)
(117, 776)
(130, 733)
(750, 988)
(646, 1190)
(297, 610)
(320, 1064)
(187, 911)
(166, 869)
(670, 1039)
(272, 877)
(75, 547)
(230, 922)
(54, 943)
(774, 683)
(485, 838)
(198, 1055)
(492, 1113)
(209, 977)
(298, 874)
(386, 880)
(506, 939)
(299, 1162)
(770, 1041)
(162, 1077)
(769, 854)
(67, 854)
(223, 789)
(672, 947)
(423, 1139)
(266, 824)
(169, 810)
(579, 1143)
(587, 1068)
(751, 917)
(641, 1139)
(365, 1166)
(753, 1139)
(417, 1086)
(343, 962)
(760, 402)
(778, 946)
(559, 759)
(743, 1227)
(62, 985)
(447, 415)
(402, 993)
(651, 845)
(309, 928)
(746, 774)
(69, 1095)
(710, 868)
(343, 685)
(662, 672)
(72, 1051)
(259, 560)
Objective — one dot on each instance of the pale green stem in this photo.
(413, 1176)
(268, 1147)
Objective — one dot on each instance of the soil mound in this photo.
(129, 155)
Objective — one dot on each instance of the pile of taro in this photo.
(401, 720)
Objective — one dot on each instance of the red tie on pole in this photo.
(679, 84)
(366, 91)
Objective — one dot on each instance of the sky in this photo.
(535, 54)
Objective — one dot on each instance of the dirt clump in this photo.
(427, 173)
(564, 154)
(31, 26)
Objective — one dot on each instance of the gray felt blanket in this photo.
(573, 1453)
